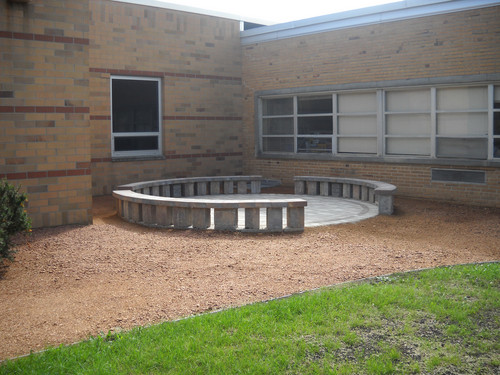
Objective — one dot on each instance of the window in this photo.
(135, 116)
(460, 122)
(314, 124)
(408, 122)
(357, 123)
(496, 122)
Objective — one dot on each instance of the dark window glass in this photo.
(315, 125)
(315, 105)
(496, 148)
(135, 106)
(277, 144)
(470, 148)
(278, 107)
(314, 145)
(136, 143)
(496, 123)
(276, 126)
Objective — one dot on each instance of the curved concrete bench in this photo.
(376, 192)
(166, 203)
(191, 186)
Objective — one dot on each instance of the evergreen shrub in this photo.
(13, 217)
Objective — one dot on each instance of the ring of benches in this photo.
(375, 192)
(167, 203)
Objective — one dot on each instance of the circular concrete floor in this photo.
(319, 210)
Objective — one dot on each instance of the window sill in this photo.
(383, 159)
(137, 158)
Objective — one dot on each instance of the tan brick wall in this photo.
(198, 59)
(462, 43)
(44, 115)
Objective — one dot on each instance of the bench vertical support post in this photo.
(165, 191)
(225, 219)
(274, 218)
(312, 188)
(385, 204)
(228, 187)
(324, 188)
(149, 214)
(201, 188)
(164, 216)
(188, 189)
(242, 187)
(295, 218)
(300, 187)
(255, 186)
(346, 190)
(252, 218)
(201, 218)
(135, 212)
(182, 217)
(214, 187)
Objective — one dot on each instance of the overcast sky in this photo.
(277, 11)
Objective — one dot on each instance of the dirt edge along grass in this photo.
(436, 321)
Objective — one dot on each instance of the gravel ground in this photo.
(71, 282)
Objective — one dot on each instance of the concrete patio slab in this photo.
(320, 210)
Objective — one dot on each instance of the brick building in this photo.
(98, 93)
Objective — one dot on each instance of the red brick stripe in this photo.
(206, 155)
(146, 73)
(100, 117)
(208, 118)
(45, 174)
(43, 37)
(180, 156)
(42, 109)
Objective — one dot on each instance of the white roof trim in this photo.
(189, 9)
(367, 16)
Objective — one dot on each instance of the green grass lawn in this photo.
(441, 321)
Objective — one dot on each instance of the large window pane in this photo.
(315, 125)
(462, 124)
(470, 148)
(277, 144)
(277, 107)
(408, 101)
(462, 98)
(135, 106)
(409, 124)
(357, 145)
(408, 146)
(308, 145)
(357, 125)
(315, 104)
(357, 103)
(276, 126)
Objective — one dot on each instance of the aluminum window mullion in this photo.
(260, 126)
(491, 99)
(433, 123)
(295, 125)
(380, 123)
(335, 124)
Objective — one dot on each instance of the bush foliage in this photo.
(13, 216)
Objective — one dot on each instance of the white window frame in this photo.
(114, 135)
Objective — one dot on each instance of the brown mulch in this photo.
(72, 282)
